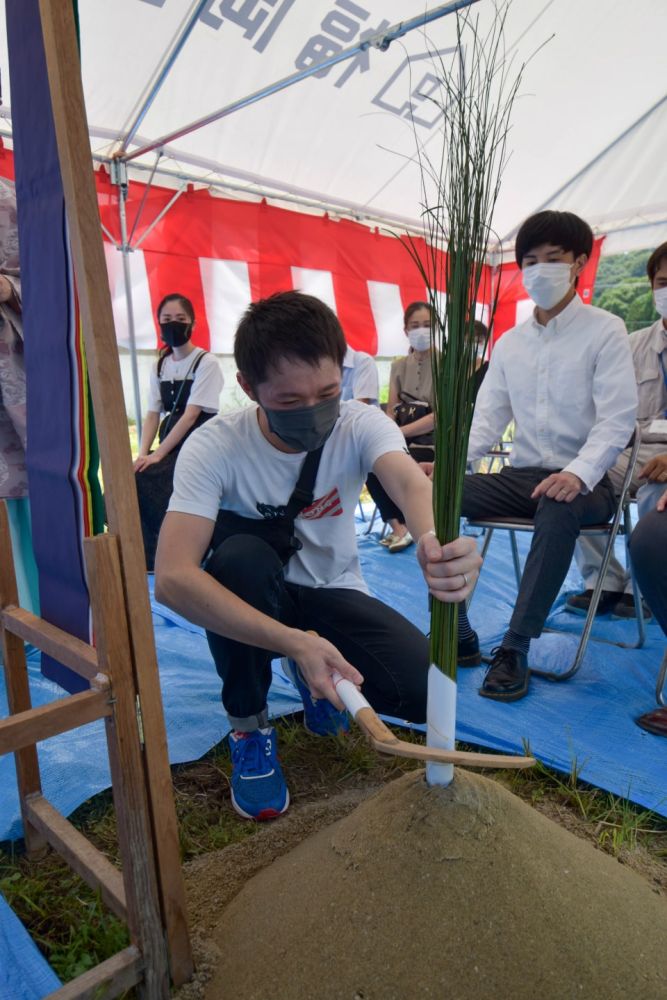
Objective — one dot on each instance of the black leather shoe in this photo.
(578, 604)
(507, 677)
(468, 652)
(654, 722)
(625, 609)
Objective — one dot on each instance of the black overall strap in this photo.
(305, 484)
(191, 371)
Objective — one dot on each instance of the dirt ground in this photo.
(426, 893)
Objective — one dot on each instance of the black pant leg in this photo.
(501, 494)
(556, 530)
(648, 551)
(154, 488)
(390, 652)
(388, 509)
(250, 568)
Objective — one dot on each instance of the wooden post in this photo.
(18, 689)
(62, 58)
(125, 758)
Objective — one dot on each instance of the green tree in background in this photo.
(621, 286)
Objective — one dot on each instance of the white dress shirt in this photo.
(570, 388)
(360, 377)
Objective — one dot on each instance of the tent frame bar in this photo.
(162, 75)
(119, 177)
(382, 40)
(591, 163)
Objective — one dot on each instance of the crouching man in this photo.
(270, 491)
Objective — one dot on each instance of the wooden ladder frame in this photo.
(122, 668)
(133, 895)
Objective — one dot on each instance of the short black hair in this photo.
(481, 330)
(286, 325)
(175, 297)
(562, 229)
(412, 308)
(655, 260)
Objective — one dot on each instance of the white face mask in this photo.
(660, 299)
(420, 338)
(547, 284)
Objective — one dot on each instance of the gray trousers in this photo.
(590, 551)
(557, 525)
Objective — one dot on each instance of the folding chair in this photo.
(620, 524)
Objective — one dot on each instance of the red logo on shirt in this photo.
(326, 506)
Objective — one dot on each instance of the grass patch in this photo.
(74, 930)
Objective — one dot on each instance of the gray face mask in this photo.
(307, 428)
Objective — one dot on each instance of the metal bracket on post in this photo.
(119, 179)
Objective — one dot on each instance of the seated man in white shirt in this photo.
(287, 473)
(649, 355)
(565, 377)
(360, 378)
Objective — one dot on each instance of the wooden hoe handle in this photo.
(381, 738)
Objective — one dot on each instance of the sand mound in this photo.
(462, 893)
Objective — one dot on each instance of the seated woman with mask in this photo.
(410, 405)
(185, 387)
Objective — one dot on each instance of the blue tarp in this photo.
(24, 974)
(585, 723)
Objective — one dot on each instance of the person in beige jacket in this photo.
(649, 355)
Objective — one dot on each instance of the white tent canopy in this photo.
(592, 104)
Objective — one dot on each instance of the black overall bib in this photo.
(156, 483)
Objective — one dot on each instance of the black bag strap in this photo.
(191, 371)
(302, 495)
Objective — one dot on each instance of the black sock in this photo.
(465, 631)
(513, 640)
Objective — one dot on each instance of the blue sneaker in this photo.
(258, 786)
(319, 716)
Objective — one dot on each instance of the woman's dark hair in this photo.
(655, 260)
(187, 307)
(412, 308)
(286, 325)
(562, 229)
(175, 297)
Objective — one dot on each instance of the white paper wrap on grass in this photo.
(440, 723)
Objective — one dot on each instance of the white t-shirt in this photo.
(360, 376)
(229, 463)
(207, 381)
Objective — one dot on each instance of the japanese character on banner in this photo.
(410, 90)
(339, 28)
(260, 18)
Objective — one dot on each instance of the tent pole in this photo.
(162, 75)
(160, 215)
(380, 41)
(147, 187)
(119, 177)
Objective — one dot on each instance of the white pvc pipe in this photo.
(440, 723)
(350, 695)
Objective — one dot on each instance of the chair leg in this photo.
(488, 535)
(515, 559)
(372, 521)
(636, 593)
(662, 682)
